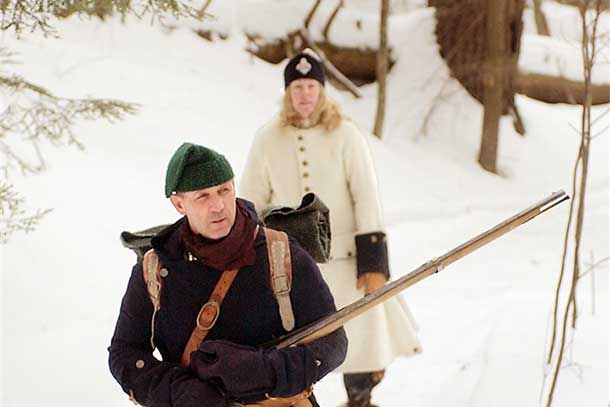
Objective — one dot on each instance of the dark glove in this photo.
(236, 370)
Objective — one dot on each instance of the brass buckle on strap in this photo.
(280, 284)
(216, 308)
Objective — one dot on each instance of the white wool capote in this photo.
(285, 163)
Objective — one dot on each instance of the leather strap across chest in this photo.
(208, 315)
(280, 273)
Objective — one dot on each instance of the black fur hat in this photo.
(306, 64)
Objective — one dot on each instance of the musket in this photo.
(333, 321)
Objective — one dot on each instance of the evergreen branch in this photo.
(12, 215)
(33, 15)
(17, 84)
(52, 119)
(33, 114)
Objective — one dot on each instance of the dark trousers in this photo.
(359, 387)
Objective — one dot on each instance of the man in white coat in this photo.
(311, 146)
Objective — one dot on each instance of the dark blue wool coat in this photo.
(249, 316)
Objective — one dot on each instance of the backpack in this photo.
(308, 223)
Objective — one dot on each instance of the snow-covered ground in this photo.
(484, 322)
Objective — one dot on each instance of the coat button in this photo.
(163, 272)
(300, 138)
(305, 175)
(307, 189)
(349, 254)
(374, 239)
(305, 163)
(140, 364)
(302, 149)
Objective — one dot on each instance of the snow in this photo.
(560, 54)
(556, 57)
(484, 321)
(355, 25)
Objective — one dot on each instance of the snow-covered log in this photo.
(556, 89)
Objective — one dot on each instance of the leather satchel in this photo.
(139, 241)
(309, 224)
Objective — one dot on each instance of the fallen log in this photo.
(358, 64)
(557, 89)
(331, 70)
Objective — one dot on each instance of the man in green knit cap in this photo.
(195, 176)
(213, 303)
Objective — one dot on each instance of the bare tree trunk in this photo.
(382, 68)
(542, 26)
(517, 121)
(311, 13)
(331, 19)
(493, 82)
(589, 49)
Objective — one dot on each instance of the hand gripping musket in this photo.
(328, 324)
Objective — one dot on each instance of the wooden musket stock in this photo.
(328, 324)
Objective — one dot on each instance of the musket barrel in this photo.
(328, 324)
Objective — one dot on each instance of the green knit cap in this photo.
(194, 167)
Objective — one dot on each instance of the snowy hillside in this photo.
(484, 322)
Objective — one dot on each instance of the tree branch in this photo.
(330, 68)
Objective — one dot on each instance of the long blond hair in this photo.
(326, 113)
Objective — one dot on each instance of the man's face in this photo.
(210, 211)
(304, 95)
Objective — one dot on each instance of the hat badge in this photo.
(303, 66)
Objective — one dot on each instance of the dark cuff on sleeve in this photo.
(372, 254)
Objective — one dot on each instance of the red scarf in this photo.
(233, 251)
